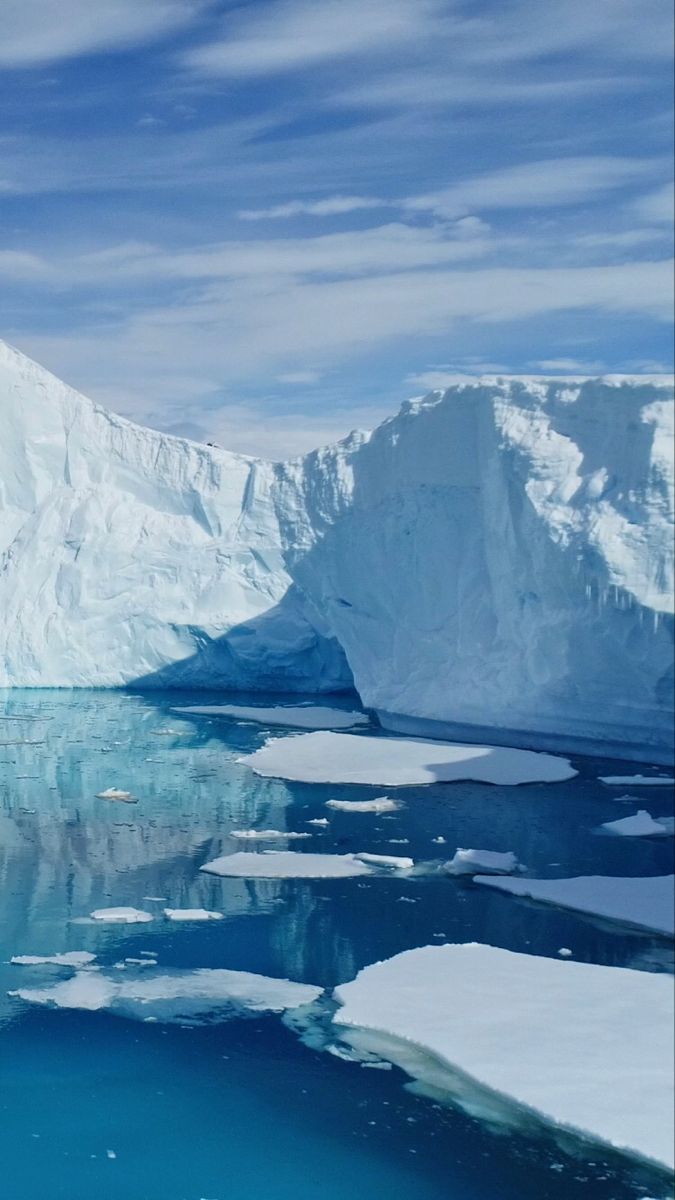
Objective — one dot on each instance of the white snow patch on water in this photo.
(585, 1047)
(267, 835)
(638, 780)
(71, 958)
(641, 824)
(285, 864)
(184, 995)
(642, 902)
(192, 914)
(124, 916)
(471, 862)
(399, 762)
(307, 716)
(382, 804)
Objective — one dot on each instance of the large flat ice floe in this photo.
(587, 1048)
(70, 958)
(179, 995)
(642, 902)
(286, 864)
(399, 762)
(641, 824)
(638, 780)
(301, 716)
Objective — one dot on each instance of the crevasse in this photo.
(499, 556)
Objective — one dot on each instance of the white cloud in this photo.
(657, 206)
(299, 377)
(291, 34)
(332, 206)
(541, 184)
(35, 32)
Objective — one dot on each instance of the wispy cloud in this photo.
(36, 32)
(332, 206)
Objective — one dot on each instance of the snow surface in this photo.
(124, 916)
(532, 526)
(306, 716)
(71, 958)
(588, 1048)
(174, 995)
(642, 902)
(641, 824)
(638, 780)
(471, 862)
(285, 864)
(399, 762)
(191, 914)
(382, 804)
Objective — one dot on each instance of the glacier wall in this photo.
(126, 555)
(501, 556)
(496, 557)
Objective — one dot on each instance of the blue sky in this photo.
(266, 223)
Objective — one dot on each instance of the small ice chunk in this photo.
(192, 914)
(298, 716)
(473, 862)
(399, 762)
(439, 841)
(267, 835)
(124, 916)
(641, 824)
(641, 902)
(638, 780)
(113, 793)
(386, 860)
(71, 958)
(140, 962)
(319, 821)
(286, 864)
(382, 804)
(110, 1154)
(565, 952)
(587, 1048)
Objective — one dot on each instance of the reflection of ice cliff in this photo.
(497, 556)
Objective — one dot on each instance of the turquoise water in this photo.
(243, 1108)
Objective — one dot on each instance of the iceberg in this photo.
(326, 757)
(643, 902)
(493, 563)
(566, 1041)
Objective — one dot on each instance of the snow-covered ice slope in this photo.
(501, 556)
(129, 554)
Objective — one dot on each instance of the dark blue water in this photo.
(244, 1109)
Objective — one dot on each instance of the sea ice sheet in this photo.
(302, 716)
(399, 762)
(285, 864)
(199, 995)
(644, 902)
(586, 1047)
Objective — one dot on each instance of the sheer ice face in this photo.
(126, 554)
(499, 556)
(588, 1048)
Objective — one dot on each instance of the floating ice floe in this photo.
(641, 824)
(382, 804)
(180, 995)
(386, 860)
(322, 822)
(472, 862)
(71, 958)
(399, 762)
(123, 916)
(638, 780)
(192, 914)
(267, 835)
(285, 864)
(112, 793)
(641, 902)
(581, 1046)
(302, 716)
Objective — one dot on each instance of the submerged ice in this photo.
(519, 530)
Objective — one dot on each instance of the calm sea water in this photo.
(244, 1109)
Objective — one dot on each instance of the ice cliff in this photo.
(497, 556)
